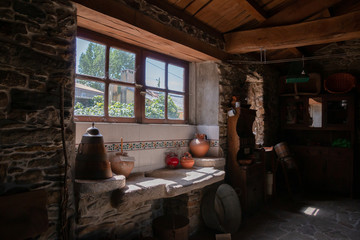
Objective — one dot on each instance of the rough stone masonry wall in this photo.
(175, 22)
(257, 86)
(36, 59)
(102, 216)
(97, 218)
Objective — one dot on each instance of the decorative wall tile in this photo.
(148, 145)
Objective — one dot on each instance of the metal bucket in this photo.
(171, 227)
(282, 150)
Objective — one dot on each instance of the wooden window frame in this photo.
(139, 84)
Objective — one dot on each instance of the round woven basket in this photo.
(340, 83)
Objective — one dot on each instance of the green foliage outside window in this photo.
(92, 63)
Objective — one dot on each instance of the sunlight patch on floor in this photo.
(311, 211)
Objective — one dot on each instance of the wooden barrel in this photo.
(282, 150)
(289, 162)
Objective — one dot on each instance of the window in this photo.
(117, 82)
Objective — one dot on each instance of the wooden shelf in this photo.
(323, 167)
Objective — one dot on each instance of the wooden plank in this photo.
(134, 39)
(183, 3)
(297, 12)
(135, 22)
(323, 14)
(328, 30)
(212, 11)
(172, 1)
(274, 6)
(223, 15)
(195, 6)
(283, 54)
(346, 6)
(253, 9)
(188, 18)
(23, 215)
(95, 21)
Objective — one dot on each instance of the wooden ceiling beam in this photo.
(142, 28)
(297, 12)
(253, 9)
(346, 6)
(335, 29)
(186, 17)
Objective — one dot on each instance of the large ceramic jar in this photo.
(91, 161)
(199, 146)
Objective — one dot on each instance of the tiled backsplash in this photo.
(148, 143)
(130, 146)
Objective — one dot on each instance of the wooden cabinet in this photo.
(320, 132)
(251, 183)
(325, 168)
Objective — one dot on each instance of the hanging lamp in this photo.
(297, 78)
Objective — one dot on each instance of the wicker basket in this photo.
(340, 83)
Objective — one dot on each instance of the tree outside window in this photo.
(106, 81)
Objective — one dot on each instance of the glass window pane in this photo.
(175, 78)
(90, 58)
(175, 106)
(89, 98)
(121, 101)
(154, 73)
(155, 104)
(121, 65)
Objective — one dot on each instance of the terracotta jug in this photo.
(199, 146)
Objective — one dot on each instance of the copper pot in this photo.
(200, 145)
(91, 161)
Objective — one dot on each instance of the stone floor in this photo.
(302, 218)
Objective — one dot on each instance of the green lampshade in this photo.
(297, 79)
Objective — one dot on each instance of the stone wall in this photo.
(256, 85)
(36, 61)
(175, 22)
(99, 217)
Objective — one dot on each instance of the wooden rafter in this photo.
(341, 28)
(297, 12)
(253, 9)
(134, 27)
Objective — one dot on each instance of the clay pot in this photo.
(187, 161)
(199, 146)
(122, 164)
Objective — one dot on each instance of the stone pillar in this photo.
(256, 85)
(37, 47)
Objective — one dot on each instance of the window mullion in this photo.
(106, 97)
(140, 79)
(166, 91)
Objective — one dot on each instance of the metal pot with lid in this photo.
(91, 160)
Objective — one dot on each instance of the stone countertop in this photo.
(164, 183)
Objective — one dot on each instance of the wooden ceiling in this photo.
(278, 26)
(284, 28)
